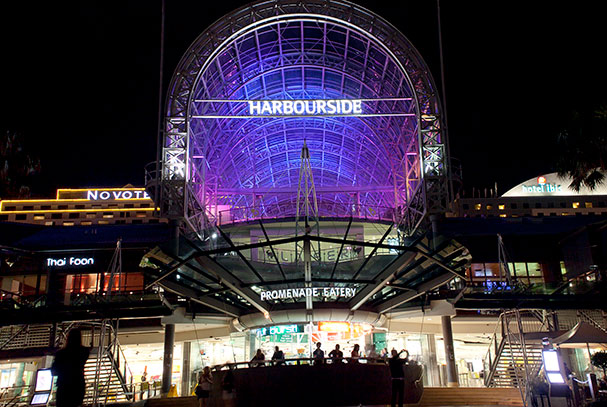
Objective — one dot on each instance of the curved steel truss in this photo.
(219, 162)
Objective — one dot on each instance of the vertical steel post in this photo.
(167, 360)
(452, 379)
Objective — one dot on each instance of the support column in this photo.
(167, 360)
(449, 352)
(186, 369)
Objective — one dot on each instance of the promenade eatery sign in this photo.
(308, 292)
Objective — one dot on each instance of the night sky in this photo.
(80, 80)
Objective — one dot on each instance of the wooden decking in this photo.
(470, 396)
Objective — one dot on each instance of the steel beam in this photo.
(381, 280)
(227, 279)
(204, 300)
(409, 295)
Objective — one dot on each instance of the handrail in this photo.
(302, 361)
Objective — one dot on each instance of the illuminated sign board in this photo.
(280, 330)
(104, 194)
(552, 366)
(321, 292)
(542, 187)
(243, 109)
(66, 262)
(305, 107)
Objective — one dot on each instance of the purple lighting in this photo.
(259, 94)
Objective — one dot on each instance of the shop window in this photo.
(520, 269)
(588, 204)
(575, 205)
(21, 216)
(535, 270)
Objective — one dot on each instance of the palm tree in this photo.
(17, 167)
(583, 149)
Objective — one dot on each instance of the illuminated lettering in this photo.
(71, 262)
(305, 107)
(343, 292)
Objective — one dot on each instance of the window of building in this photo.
(62, 207)
(86, 223)
(38, 216)
(501, 207)
(588, 204)
(68, 223)
(564, 213)
(526, 205)
(466, 206)
(503, 215)
(550, 205)
(49, 223)
(563, 204)
(3, 217)
(477, 207)
(489, 207)
(513, 206)
(45, 207)
(56, 215)
(91, 215)
(137, 221)
(74, 215)
(21, 216)
(575, 205)
(28, 208)
(108, 215)
(538, 205)
(10, 208)
(80, 206)
(534, 269)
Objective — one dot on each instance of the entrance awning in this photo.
(581, 335)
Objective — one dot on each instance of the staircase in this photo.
(515, 351)
(509, 370)
(114, 382)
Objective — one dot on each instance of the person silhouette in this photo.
(68, 366)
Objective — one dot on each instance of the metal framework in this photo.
(218, 166)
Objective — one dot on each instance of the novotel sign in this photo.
(305, 107)
(319, 292)
(104, 194)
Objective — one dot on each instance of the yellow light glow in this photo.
(575, 205)
(501, 207)
(84, 210)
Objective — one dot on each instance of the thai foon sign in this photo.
(319, 292)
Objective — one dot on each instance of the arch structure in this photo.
(276, 75)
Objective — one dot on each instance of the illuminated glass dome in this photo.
(313, 50)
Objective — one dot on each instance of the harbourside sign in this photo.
(305, 107)
(320, 292)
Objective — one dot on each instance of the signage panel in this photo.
(318, 292)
